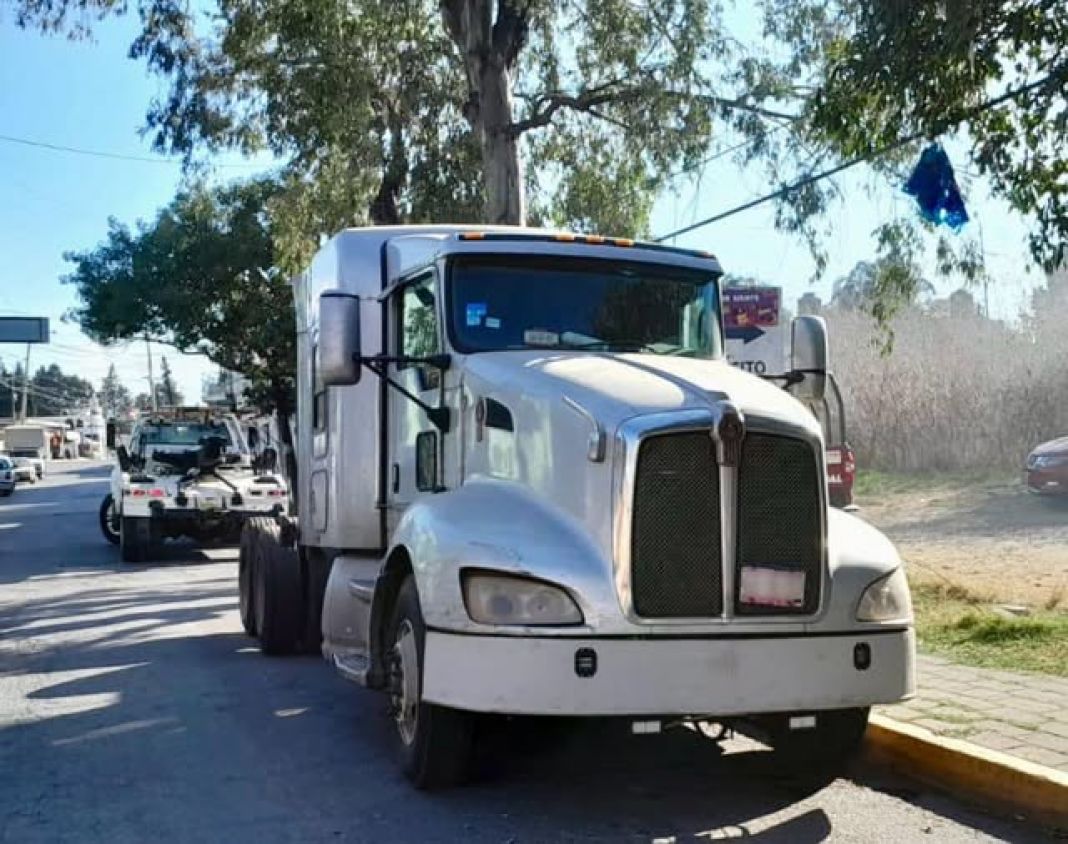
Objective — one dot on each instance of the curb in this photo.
(989, 776)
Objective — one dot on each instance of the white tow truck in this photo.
(185, 472)
(530, 483)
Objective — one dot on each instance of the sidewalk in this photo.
(1022, 715)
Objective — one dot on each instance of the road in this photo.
(133, 709)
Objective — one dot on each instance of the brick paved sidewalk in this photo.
(1024, 715)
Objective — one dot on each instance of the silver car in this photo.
(7, 477)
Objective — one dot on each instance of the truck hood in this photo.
(615, 387)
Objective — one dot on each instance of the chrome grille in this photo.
(779, 516)
(676, 556)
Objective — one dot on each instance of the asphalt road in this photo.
(133, 709)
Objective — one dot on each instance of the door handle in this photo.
(396, 477)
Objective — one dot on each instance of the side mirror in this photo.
(808, 358)
(339, 338)
(110, 435)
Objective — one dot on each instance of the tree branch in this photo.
(588, 100)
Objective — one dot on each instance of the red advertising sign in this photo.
(751, 307)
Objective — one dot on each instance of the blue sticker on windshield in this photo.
(475, 312)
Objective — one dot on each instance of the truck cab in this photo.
(529, 483)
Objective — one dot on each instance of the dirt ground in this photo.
(991, 537)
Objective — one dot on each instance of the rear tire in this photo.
(279, 599)
(435, 741)
(136, 539)
(109, 520)
(246, 578)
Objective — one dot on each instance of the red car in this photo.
(1047, 468)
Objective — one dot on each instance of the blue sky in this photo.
(89, 95)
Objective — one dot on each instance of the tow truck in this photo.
(185, 472)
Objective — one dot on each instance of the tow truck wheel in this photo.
(245, 574)
(435, 741)
(278, 599)
(109, 520)
(135, 539)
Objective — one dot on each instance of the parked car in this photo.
(7, 477)
(1047, 468)
(23, 469)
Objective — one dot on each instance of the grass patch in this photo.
(874, 484)
(964, 627)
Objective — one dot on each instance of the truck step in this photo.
(353, 667)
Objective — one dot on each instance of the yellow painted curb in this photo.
(1035, 791)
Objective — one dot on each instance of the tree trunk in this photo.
(490, 50)
(502, 172)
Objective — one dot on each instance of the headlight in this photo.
(502, 599)
(887, 599)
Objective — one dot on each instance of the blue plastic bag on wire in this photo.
(933, 184)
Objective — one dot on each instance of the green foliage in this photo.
(889, 70)
(199, 277)
(167, 392)
(113, 395)
(54, 392)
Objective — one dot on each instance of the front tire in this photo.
(109, 520)
(435, 741)
(136, 541)
(826, 748)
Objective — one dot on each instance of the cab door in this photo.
(413, 468)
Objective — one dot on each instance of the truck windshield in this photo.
(530, 302)
(183, 433)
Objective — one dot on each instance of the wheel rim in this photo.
(405, 682)
(112, 519)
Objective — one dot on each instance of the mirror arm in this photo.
(438, 416)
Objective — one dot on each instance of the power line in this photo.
(117, 156)
(860, 159)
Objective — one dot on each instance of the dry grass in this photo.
(957, 392)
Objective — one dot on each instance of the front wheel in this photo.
(109, 519)
(135, 539)
(435, 741)
(827, 747)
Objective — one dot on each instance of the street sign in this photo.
(755, 334)
(23, 329)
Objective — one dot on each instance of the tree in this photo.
(886, 71)
(54, 393)
(114, 397)
(433, 115)
(167, 393)
(883, 283)
(200, 277)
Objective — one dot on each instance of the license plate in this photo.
(834, 458)
(763, 586)
(208, 503)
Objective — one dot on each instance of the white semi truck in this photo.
(531, 484)
(185, 472)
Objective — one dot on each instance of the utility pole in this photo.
(151, 380)
(25, 383)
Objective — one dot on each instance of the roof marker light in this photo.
(472, 235)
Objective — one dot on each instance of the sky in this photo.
(91, 96)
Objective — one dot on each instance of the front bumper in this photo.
(666, 676)
(1053, 481)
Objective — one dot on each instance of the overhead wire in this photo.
(860, 159)
(116, 156)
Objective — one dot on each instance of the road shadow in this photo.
(142, 733)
